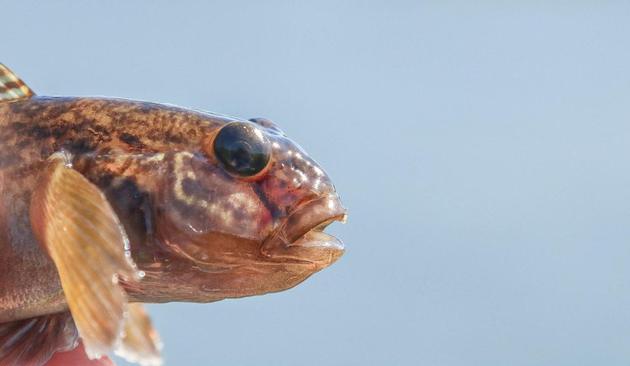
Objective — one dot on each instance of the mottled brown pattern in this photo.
(199, 233)
(83, 125)
(96, 131)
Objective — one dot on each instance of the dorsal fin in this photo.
(11, 87)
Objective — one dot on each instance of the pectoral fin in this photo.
(76, 225)
(140, 342)
(33, 341)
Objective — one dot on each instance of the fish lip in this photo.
(301, 232)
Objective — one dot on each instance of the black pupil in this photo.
(242, 148)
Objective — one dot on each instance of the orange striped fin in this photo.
(75, 224)
(11, 87)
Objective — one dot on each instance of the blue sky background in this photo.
(483, 151)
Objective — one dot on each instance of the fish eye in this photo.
(242, 149)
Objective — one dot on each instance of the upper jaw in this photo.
(300, 237)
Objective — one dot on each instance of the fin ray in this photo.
(75, 224)
(12, 87)
(140, 342)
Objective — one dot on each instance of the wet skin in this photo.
(204, 223)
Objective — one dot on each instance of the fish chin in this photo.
(301, 238)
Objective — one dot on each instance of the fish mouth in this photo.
(301, 237)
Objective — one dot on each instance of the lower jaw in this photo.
(311, 256)
(199, 286)
(315, 248)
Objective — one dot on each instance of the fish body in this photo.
(106, 202)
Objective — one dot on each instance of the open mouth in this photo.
(316, 237)
(302, 238)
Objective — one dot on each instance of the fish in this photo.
(109, 203)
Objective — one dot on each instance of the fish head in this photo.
(248, 210)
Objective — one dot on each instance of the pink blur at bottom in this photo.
(77, 357)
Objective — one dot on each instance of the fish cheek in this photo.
(206, 215)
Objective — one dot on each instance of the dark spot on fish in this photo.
(105, 180)
(128, 190)
(174, 138)
(131, 140)
(271, 207)
(58, 131)
(38, 132)
(99, 128)
(191, 187)
(132, 206)
(18, 126)
(79, 146)
(46, 151)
